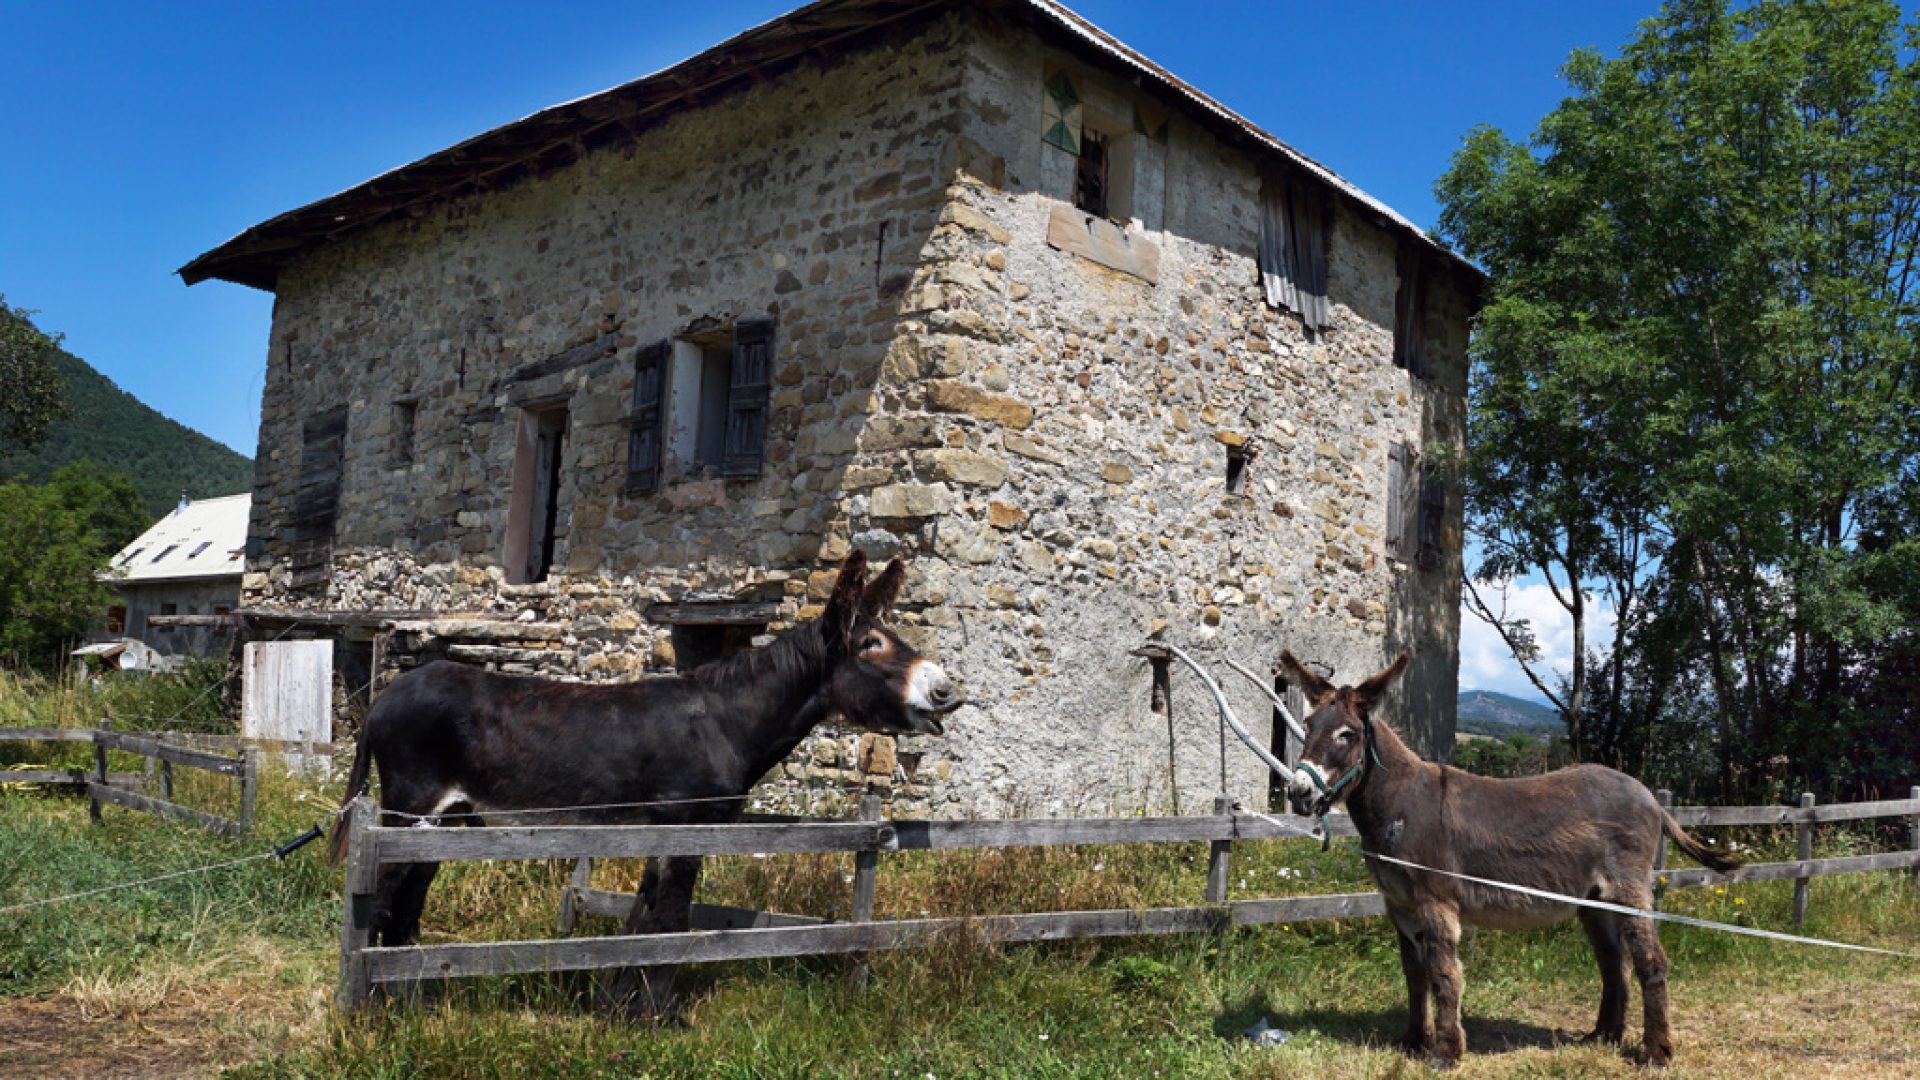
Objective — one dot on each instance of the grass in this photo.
(234, 970)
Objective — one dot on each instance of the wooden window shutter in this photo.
(747, 398)
(644, 417)
(1433, 515)
(1399, 465)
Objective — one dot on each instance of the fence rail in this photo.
(723, 933)
(73, 777)
(165, 754)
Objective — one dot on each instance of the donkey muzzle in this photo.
(930, 696)
(1308, 798)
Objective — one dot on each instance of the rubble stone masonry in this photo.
(1046, 437)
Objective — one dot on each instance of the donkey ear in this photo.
(843, 607)
(880, 595)
(1310, 681)
(1369, 692)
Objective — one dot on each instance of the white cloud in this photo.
(1487, 664)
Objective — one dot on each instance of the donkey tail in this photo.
(356, 787)
(1701, 853)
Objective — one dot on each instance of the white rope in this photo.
(135, 884)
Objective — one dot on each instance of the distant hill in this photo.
(1484, 712)
(113, 429)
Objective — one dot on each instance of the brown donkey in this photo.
(1583, 831)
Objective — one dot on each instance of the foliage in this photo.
(30, 387)
(111, 427)
(1515, 755)
(55, 541)
(1696, 388)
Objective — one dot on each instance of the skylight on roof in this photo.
(164, 552)
(195, 553)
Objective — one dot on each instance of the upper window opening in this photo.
(198, 548)
(164, 552)
(700, 405)
(1091, 189)
(1237, 459)
(405, 415)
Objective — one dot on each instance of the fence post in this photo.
(1665, 797)
(356, 921)
(1913, 834)
(99, 771)
(1219, 856)
(166, 773)
(1806, 853)
(866, 874)
(574, 893)
(249, 788)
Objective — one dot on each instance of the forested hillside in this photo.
(113, 429)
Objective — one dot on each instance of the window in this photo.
(164, 552)
(1410, 311)
(1090, 175)
(700, 405)
(131, 555)
(1237, 458)
(117, 619)
(198, 548)
(533, 509)
(169, 609)
(404, 415)
(316, 501)
(1296, 218)
(1433, 517)
(1403, 500)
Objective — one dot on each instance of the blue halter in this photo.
(1348, 777)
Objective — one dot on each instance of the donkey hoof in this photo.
(1597, 1035)
(1415, 1046)
(1442, 1064)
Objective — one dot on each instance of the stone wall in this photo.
(1046, 437)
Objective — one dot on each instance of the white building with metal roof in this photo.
(180, 580)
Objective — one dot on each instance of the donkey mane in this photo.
(792, 656)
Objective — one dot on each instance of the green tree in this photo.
(1695, 372)
(30, 388)
(56, 541)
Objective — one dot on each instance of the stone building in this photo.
(611, 389)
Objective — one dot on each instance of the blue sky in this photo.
(137, 136)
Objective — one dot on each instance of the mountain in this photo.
(113, 429)
(1484, 712)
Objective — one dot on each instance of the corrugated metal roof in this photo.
(560, 134)
(200, 539)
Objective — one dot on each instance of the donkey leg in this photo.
(1603, 932)
(1413, 964)
(1441, 931)
(405, 903)
(1650, 967)
(663, 905)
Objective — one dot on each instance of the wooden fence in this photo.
(165, 753)
(738, 934)
(75, 777)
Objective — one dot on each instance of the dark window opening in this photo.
(405, 413)
(1403, 502)
(695, 645)
(202, 546)
(1280, 745)
(1237, 458)
(1090, 175)
(710, 422)
(1433, 513)
(1410, 313)
(116, 619)
(164, 552)
(533, 514)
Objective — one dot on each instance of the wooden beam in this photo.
(749, 613)
(107, 793)
(179, 755)
(46, 734)
(1782, 871)
(401, 845)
